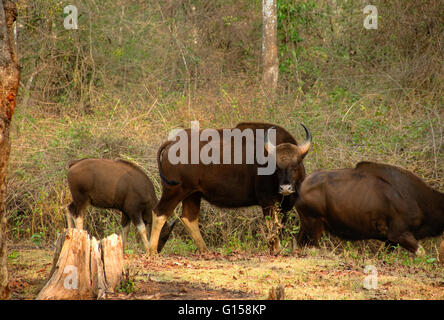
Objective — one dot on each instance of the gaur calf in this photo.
(115, 184)
(370, 201)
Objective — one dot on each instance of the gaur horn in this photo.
(270, 147)
(305, 146)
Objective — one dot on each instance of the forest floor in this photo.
(306, 274)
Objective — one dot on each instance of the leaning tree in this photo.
(9, 82)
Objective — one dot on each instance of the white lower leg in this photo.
(142, 231)
(158, 223)
(193, 229)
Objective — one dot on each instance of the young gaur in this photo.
(116, 184)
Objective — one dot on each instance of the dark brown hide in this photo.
(371, 201)
(115, 184)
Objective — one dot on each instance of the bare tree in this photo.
(269, 47)
(9, 82)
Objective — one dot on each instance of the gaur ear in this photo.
(269, 146)
(305, 146)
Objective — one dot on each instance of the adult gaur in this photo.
(230, 185)
(370, 201)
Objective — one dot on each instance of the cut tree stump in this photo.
(83, 268)
(112, 257)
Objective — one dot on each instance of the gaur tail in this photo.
(159, 164)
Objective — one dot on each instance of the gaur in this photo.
(370, 201)
(230, 185)
(116, 184)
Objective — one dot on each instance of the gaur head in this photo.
(289, 157)
(165, 234)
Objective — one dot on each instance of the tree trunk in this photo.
(83, 268)
(269, 48)
(9, 82)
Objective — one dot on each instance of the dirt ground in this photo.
(308, 274)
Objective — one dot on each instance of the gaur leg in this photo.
(141, 228)
(165, 234)
(69, 218)
(134, 210)
(166, 229)
(164, 208)
(310, 232)
(398, 233)
(126, 222)
(405, 240)
(147, 217)
(77, 210)
(190, 218)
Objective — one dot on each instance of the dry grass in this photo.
(29, 269)
(44, 146)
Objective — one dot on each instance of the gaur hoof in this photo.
(152, 252)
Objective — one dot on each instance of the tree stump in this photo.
(83, 268)
(112, 257)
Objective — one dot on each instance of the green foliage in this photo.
(235, 244)
(179, 246)
(13, 255)
(403, 257)
(37, 238)
(127, 283)
(292, 16)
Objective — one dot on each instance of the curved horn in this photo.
(305, 146)
(269, 146)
